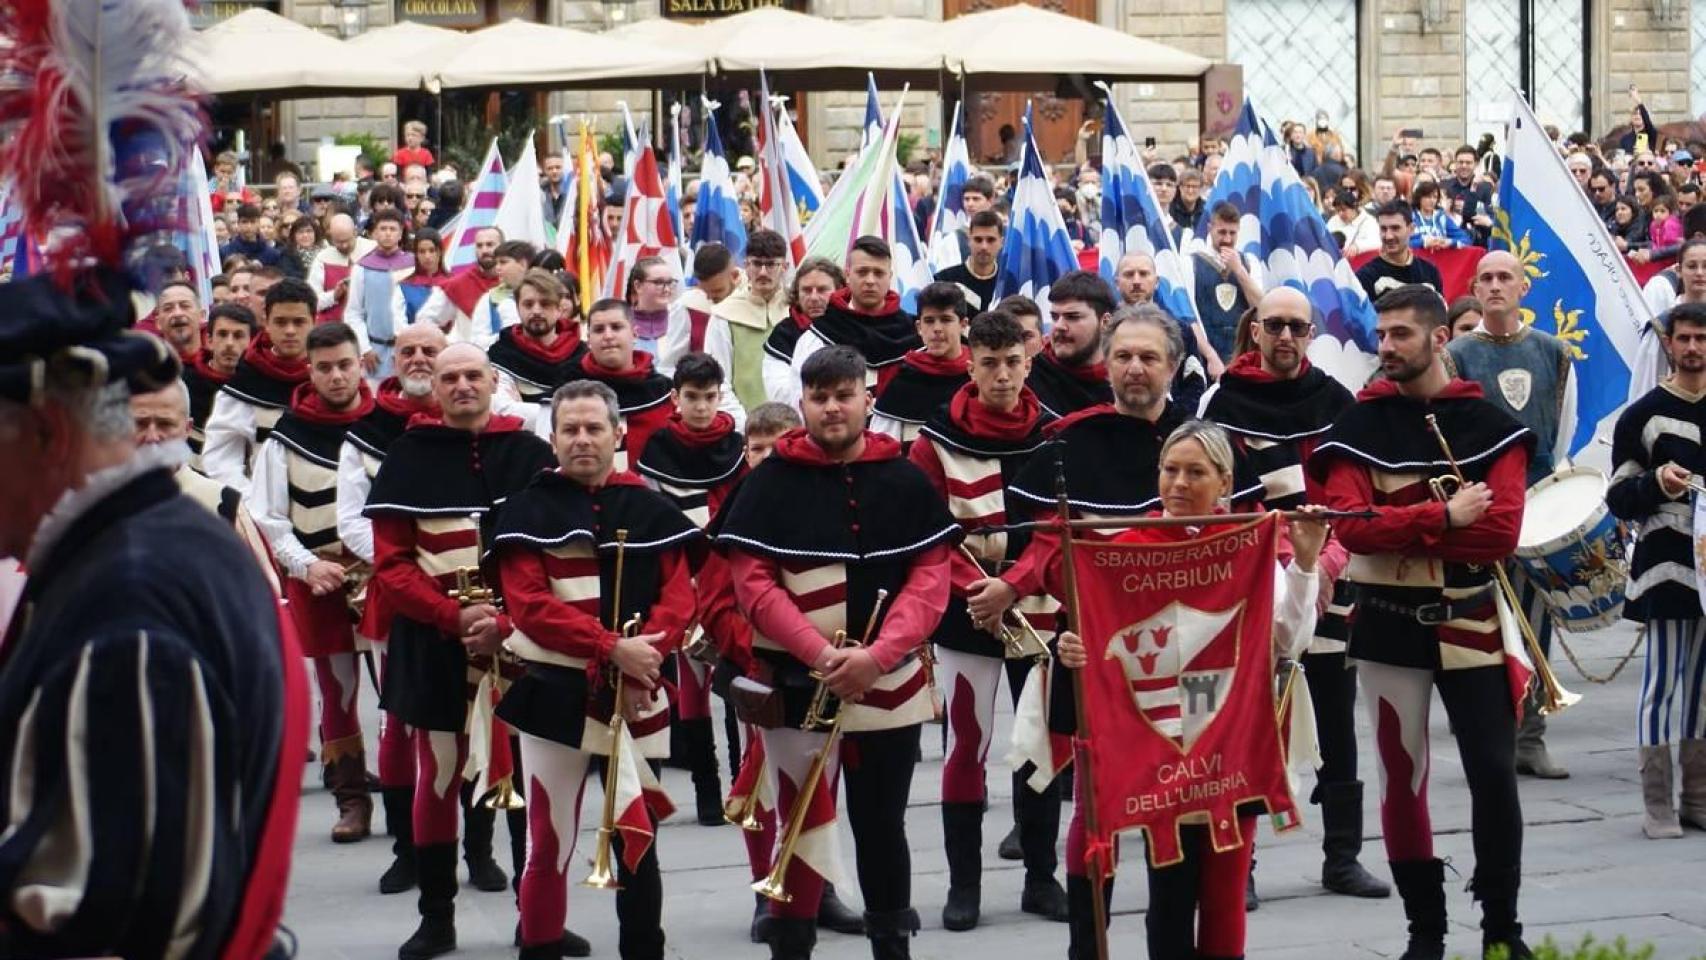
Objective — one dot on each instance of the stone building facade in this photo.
(1375, 66)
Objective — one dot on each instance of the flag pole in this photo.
(1086, 783)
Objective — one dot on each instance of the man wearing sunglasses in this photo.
(1277, 405)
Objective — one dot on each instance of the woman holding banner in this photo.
(1207, 877)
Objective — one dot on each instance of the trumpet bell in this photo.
(503, 797)
(602, 876)
(771, 888)
(743, 814)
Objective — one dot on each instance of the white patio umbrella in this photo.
(519, 54)
(260, 52)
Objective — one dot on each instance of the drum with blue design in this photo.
(1572, 550)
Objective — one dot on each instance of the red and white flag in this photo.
(1037, 752)
(648, 230)
(752, 779)
(640, 801)
(1178, 692)
(776, 206)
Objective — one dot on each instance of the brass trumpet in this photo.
(774, 886)
(1554, 697)
(1014, 631)
(356, 578)
(470, 589)
(743, 813)
(603, 876)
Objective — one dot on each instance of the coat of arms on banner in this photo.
(1180, 664)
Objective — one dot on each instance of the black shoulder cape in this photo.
(1112, 466)
(318, 442)
(914, 396)
(1389, 433)
(251, 386)
(881, 339)
(877, 511)
(1060, 392)
(1279, 410)
(668, 459)
(435, 470)
(554, 510)
(374, 433)
(524, 366)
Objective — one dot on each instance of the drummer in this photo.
(1656, 447)
(1527, 373)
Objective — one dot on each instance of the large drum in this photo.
(1571, 550)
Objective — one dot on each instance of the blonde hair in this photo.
(415, 126)
(1213, 439)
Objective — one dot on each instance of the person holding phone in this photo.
(1643, 133)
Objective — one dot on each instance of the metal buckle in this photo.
(1432, 614)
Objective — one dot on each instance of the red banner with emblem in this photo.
(1178, 692)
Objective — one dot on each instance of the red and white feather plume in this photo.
(98, 111)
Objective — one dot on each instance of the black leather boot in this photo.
(1039, 829)
(962, 836)
(436, 934)
(1341, 819)
(484, 874)
(834, 914)
(1081, 917)
(890, 933)
(399, 815)
(1421, 884)
(702, 762)
(790, 938)
(1497, 889)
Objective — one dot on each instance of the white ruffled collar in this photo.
(96, 488)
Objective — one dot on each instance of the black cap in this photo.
(323, 192)
(84, 323)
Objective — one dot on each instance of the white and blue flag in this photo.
(1282, 228)
(950, 216)
(803, 179)
(1581, 290)
(716, 217)
(1036, 251)
(1132, 220)
(672, 179)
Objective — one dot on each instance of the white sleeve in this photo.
(269, 502)
(229, 434)
(511, 405)
(317, 280)
(1294, 609)
(1660, 295)
(780, 384)
(886, 425)
(1566, 419)
(1202, 407)
(355, 530)
(677, 337)
(355, 310)
(809, 344)
(399, 310)
(719, 343)
(730, 404)
(432, 311)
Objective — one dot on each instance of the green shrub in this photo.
(1588, 949)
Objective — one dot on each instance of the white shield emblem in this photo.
(1180, 664)
(1516, 385)
(1226, 294)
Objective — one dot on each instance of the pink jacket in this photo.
(1666, 234)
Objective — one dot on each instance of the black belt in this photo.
(1429, 614)
(383, 343)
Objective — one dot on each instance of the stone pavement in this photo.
(1587, 868)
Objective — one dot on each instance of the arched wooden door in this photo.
(1056, 120)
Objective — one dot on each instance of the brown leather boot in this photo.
(346, 763)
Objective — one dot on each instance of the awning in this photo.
(519, 54)
(258, 51)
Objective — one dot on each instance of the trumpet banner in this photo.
(1178, 695)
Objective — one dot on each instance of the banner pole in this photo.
(1086, 783)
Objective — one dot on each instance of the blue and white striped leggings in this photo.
(1676, 663)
